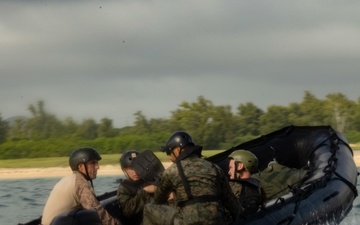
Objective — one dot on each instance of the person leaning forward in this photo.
(76, 191)
(133, 192)
(201, 189)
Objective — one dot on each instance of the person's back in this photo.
(61, 199)
(208, 187)
(201, 190)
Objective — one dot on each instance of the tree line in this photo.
(212, 126)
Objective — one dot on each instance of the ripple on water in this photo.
(3, 206)
(8, 195)
(26, 199)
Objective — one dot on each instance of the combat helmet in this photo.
(127, 158)
(249, 160)
(177, 139)
(82, 155)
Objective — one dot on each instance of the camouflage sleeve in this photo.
(164, 189)
(88, 201)
(132, 202)
(236, 188)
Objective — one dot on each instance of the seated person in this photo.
(242, 164)
(133, 193)
(76, 191)
(277, 179)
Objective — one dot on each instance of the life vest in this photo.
(193, 151)
(252, 196)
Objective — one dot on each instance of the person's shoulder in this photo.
(80, 180)
(170, 170)
(65, 183)
(252, 182)
(68, 178)
(171, 167)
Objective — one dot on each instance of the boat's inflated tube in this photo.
(77, 217)
(325, 195)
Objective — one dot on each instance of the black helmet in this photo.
(177, 139)
(82, 155)
(127, 158)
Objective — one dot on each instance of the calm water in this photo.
(22, 200)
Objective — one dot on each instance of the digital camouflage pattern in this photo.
(204, 178)
(156, 214)
(132, 199)
(277, 179)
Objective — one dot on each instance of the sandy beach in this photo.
(18, 173)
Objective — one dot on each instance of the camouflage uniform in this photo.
(276, 179)
(249, 194)
(212, 195)
(132, 199)
(71, 192)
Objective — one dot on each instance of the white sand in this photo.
(16, 173)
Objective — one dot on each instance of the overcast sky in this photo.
(95, 59)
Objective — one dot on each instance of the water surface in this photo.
(22, 200)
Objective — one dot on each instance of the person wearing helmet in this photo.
(76, 191)
(133, 192)
(126, 163)
(201, 190)
(242, 164)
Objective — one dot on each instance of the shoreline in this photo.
(49, 172)
(105, 170)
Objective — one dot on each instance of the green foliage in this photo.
(213, 127)
(249, 118)
(209, 125)
(4, 128)
(107, 159)
(276, 118)
(105, 128)
(87, 130)
(353, 136)
(340, 109)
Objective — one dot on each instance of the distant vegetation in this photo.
(108, 159)
(214, 127)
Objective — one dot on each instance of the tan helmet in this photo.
(249, 160)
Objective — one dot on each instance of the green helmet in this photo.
(248, 158)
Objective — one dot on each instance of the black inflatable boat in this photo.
(323, 196)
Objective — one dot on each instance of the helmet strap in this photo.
(176, 157)
(88, 177)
